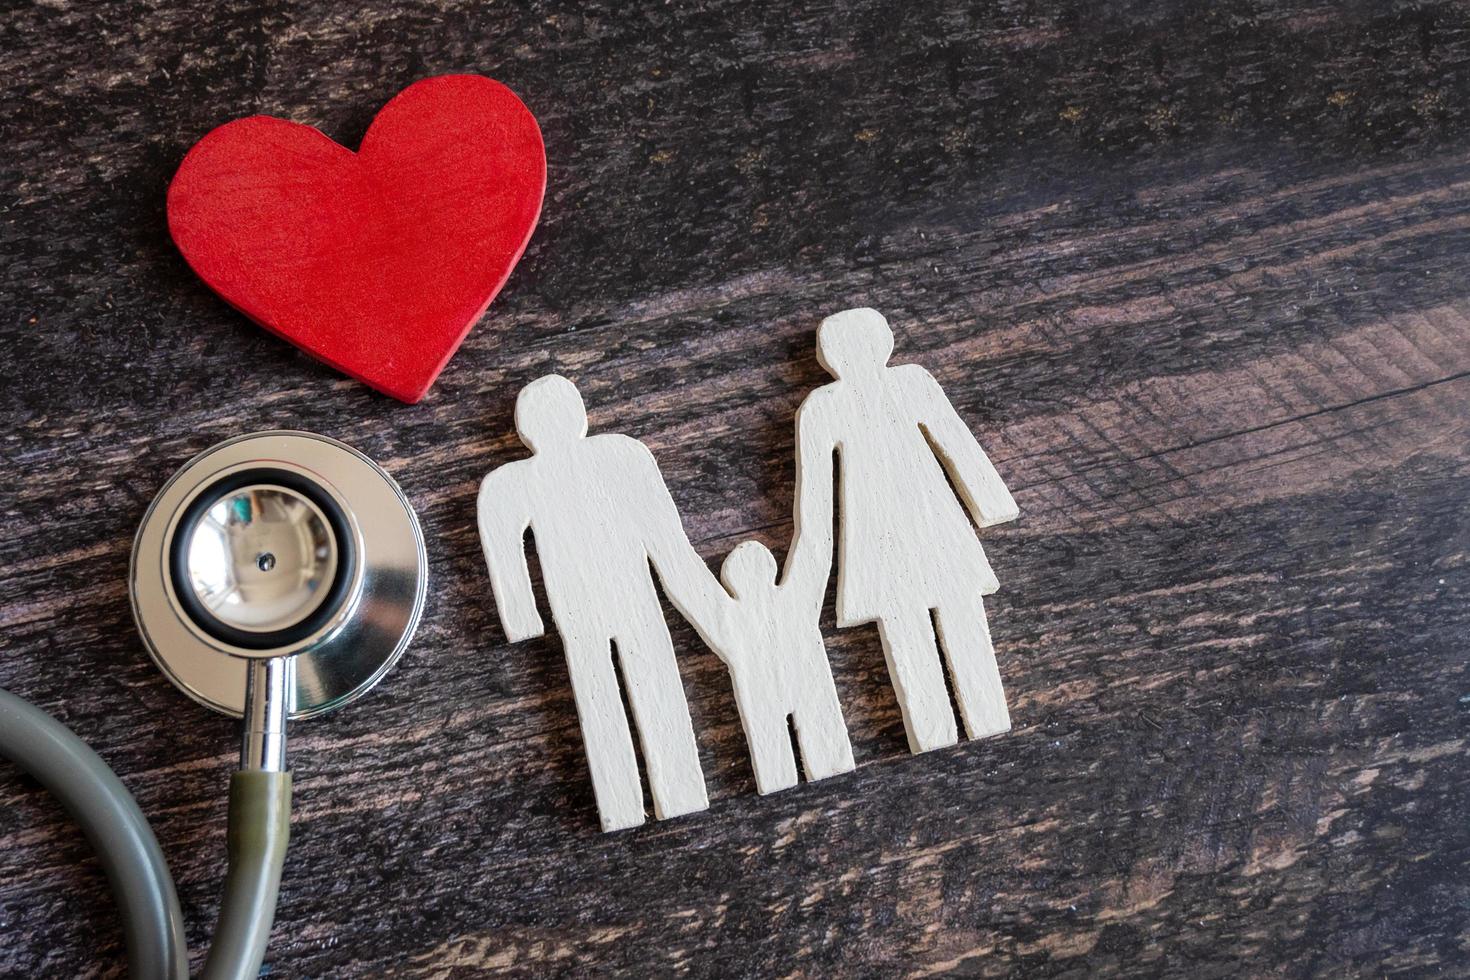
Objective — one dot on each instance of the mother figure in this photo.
(909, 557)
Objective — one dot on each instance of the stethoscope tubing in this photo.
(348, 653)
(153, 924)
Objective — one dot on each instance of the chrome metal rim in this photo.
(352, 650)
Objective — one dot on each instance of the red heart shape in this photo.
(377, 262)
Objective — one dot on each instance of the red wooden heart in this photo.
(377, 262)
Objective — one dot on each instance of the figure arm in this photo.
(504, 517)
(980, 486)
(687, 580)
(809, 563)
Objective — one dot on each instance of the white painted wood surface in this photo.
(909, 558)
(601, 515)
(770, 638)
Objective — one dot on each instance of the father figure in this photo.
(600, 513)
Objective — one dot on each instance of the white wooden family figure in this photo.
(909, 560)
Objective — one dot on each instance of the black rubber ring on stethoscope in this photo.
(178, 567)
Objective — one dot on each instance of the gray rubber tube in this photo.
(260, 825)
(153, 926)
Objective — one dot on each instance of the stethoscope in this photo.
(276, 576)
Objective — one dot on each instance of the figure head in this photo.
(749, 569)
(854, 342)
(550, 413)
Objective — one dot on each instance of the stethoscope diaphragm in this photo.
(278, 544)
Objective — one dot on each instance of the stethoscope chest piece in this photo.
(280, 545)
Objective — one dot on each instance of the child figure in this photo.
(769, 638)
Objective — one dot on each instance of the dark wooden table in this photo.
(1196, 274)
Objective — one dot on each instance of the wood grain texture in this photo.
(1197, 276)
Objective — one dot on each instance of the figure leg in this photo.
(771, 756)
(918, 680)
(965, 636)
(820, 730)
(657, 696)
(605, 734)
